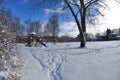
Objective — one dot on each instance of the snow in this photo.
(33, 33)
(66, 61)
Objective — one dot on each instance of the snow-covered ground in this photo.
(65, 61)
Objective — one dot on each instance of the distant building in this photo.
(110, 37)
(114, 37)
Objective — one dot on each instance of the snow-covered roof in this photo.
(118, 36)
(33, 33)
(3, 31)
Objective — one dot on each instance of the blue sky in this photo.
(25, 10)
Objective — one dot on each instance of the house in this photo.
(114, 37)
(110, 37)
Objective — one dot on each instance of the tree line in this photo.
(51, 28)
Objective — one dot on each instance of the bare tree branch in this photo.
(90, 3)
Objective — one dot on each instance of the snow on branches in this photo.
(9, 59)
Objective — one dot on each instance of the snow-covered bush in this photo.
(10, 62)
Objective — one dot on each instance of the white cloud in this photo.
(47, 11)
(59, 11)
(62, 3)
(69, 29)
(112, 17)
(24, 1)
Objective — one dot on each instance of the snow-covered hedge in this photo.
(10, 62)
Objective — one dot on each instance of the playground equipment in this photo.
(34, 40)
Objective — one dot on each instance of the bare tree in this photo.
(52, 27)
(27, 26)
(30, 29)
(83, 11)
(2, 5)
(21, 30)
(34, 26)
(87, 10)
(37, 25)
(15, 25)
(8, 53)
(47, 31)
(118, 1)
(2, 11)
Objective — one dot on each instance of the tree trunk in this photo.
(81, 31)
(83, 23)
(83, 34)
(82, 40)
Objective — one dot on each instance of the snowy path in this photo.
(48, 60)
(98, 61)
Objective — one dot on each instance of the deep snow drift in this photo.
(65, 61)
